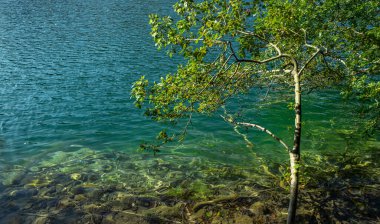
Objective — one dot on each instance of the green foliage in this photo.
(232, 46)
(139, 91)
(366, 90)
(162, 137)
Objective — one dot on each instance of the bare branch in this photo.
(274, 71)
(327, 65)
(189, 39)
(263, 61)
(308, 61)
(233, 74)
(295, 33)
(240, 75)
(240, 60)
(264, 130)
(255, 61)
(201, 39)
(217, 74)
(304, 35)
(268, 89)
(275, 47)
(262, 39)
(184, 132)
(279, 56)
(341, 61)
(230, 120)
(244, 136)
(322, 48)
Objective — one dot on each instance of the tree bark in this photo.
(294, 154)
(294, 158)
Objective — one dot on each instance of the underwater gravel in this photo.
(87, 186)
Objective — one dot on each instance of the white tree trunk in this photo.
(294, 154)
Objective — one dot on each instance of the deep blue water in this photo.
(66, 69)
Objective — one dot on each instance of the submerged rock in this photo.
(125, 217)
(80, 197)
(172, 213)
(41, 220)
(258, 208)
(12, 177)
(12, 218)
(95, 208)
(23, 193)
(92, 218)
(65, 202)
(147, 202)
(75, 176)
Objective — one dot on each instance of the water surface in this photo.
(66, 69)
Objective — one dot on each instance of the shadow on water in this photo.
(87, 186)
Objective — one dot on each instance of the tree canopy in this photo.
(232, 46)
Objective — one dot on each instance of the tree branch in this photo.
(184, 131)
(264, 130)
(233, 74)
(262, 39)
(218, 73)
(274, 71)
(308, 61)
(230, 120)
(256, 61)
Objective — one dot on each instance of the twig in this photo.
(218, 73)
(279, 56)
(308, 61)
(274, 71)
(188, 121)
(233, 74)
(263, 39)
(268, 88)
(249, 143)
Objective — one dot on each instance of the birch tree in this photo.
(232, 46)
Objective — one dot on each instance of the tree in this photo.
(232, 46)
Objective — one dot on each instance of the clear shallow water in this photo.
(66, 69)
(65, 78)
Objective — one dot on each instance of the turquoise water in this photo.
(66, 72)
(66, 69)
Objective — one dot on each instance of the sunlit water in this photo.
(66, 69)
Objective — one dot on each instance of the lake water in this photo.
(66, 70)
